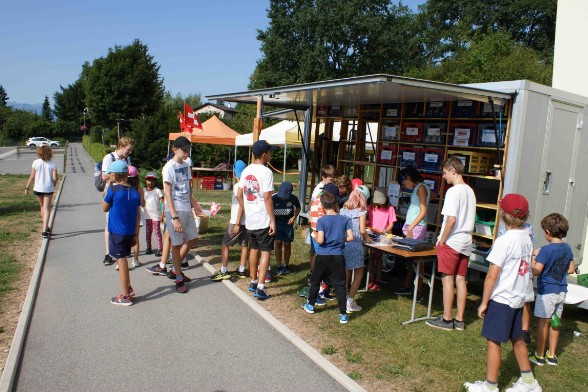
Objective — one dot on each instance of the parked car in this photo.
(37, 141)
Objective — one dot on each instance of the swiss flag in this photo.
(183, 126)
(191, 118)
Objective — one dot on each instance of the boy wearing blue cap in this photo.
(122, 203)
(255, 201)
(231, 238)
(286, 209)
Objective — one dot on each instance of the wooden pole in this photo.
(257, 122)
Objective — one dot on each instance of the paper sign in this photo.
(412, 131)
(462, 159)
(436, 104)
(394, 189)
(408, 156)
(390, 132)
(461, 137)
(386, 155)
(392, 113)
(488, 136)
(434, 132)
(429, 184)
(464, 103)
(431, 158)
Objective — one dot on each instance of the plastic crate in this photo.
(487, 137)
(475, 162)
(392, 110)
(464, 109)
(387, 154)
(207, 182)
(434, 133)
(390, 131)
(414, 109)
(583, 280)
(463, 134)
(437, 109)
(412, 132)
(431, 158)
(350, 111)
(432, 181)
(484, 228)
(432, 210)
(410, 157)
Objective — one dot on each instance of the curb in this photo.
(13, 360)
(310, 352)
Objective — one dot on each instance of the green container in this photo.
(555, 321)
(583, 280)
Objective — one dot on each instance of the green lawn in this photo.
(380, 353)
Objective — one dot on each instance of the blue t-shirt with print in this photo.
(284, 209)
(335, 228)
(556, 258)
(122, 217)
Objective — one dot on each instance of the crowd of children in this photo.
(340, 220)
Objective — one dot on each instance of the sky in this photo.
(202, 46)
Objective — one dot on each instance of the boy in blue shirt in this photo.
(286, 209)
(333, 230)
(551, 264)
(122, 204)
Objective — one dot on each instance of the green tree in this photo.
(175, 103)
(46, 111)
(448, 26)
(125, 84)
(70, 102)
(3, 97)
(493, 57)
(310, 40)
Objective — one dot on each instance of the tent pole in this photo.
(284, 174)
(306, 147)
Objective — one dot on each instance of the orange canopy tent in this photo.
(214, 131)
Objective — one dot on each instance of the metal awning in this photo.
(361, 90)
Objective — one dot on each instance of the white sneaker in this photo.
(116, 266)
(477, 386)
(521, 386)
(136, 263)
(353, 307)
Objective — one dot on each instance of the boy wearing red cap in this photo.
(551, 264)
(505, 289)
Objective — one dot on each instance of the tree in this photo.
(46, 111)
(125, 84)
(310, 40)
(70, 102)
(448, 26)
(3, 97)
(493, 57)
(175, 103)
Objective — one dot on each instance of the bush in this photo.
(96, 150)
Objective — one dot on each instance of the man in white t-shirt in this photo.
(178, 208)
(123, 152)
(256, 187)
(454, 244)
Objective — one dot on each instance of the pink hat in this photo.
(133, 171)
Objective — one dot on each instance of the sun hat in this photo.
(363, 189)
(118, 167)
(355, 183)
(133, 171)
(285, 190)
(515, 205)
(238, 168)
(262, 146)
(151, 175)
(181, 142)
(379, 196)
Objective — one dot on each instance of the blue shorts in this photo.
(502, 323)
(285, 233)
(119, 245)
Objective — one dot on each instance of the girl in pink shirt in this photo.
(381, 216)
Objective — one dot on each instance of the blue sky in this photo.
(206, 47)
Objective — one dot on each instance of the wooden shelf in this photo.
(483, 236)
(487, 206)
(384, 165)
(361, 163)
(449, 146)
(481, 176)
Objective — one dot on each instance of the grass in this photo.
(15, 239)
(379, 352)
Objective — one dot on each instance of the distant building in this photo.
(221, 111)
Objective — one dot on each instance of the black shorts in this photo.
(119, 245)
(230, 239)
(42, 193)
(260, 239)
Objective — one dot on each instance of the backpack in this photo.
(99, 183)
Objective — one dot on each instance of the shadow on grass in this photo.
(17, 207)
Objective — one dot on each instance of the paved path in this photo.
(205, 340)
(13, 162)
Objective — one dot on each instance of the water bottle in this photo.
(555, 321)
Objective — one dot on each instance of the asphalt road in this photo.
(20, 163)
(205, 340)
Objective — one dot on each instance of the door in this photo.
(560, 155)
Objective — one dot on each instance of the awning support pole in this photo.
(305, 146)
(284, 172)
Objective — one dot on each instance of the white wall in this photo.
(571, 59)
